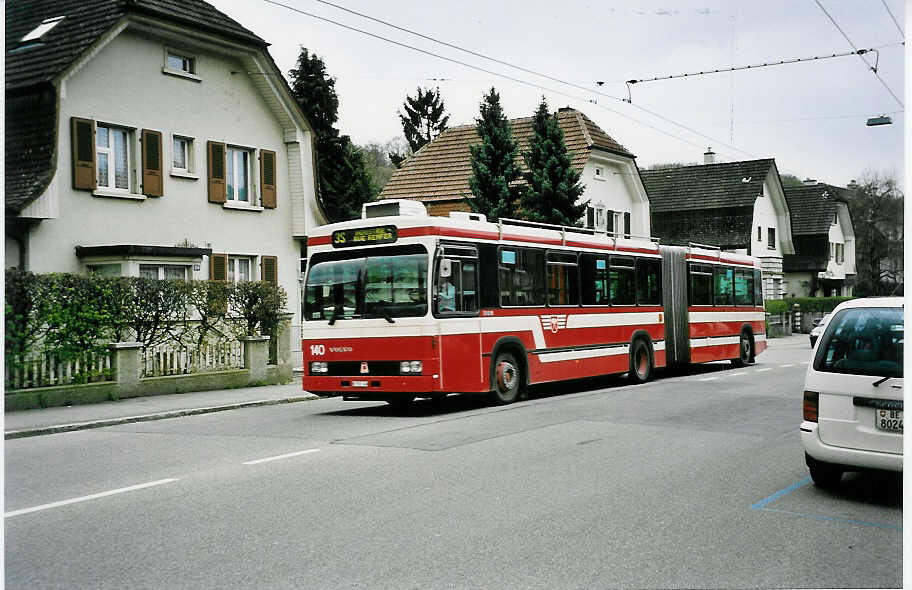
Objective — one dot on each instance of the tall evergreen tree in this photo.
(423, 121)
(552, 185)
(876, 206)
(494, 166)
(344, 181)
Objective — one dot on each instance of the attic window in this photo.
(180, 63)
(835, 218)
(34, 37)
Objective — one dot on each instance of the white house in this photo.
(152, 139)
(737, 206)
(438, 174)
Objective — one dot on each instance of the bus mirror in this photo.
(446, 268)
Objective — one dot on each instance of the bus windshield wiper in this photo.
(879, 381)
(337, 313)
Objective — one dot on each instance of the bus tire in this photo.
(507, 379)
(640, 362)
(744, 350)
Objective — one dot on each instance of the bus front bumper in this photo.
(370, 386)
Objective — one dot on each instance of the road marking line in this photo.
(87, 498)
(766, 369)
(708, 379)
(740, 374)
(277, 457)
(788, 365)
(780, 493)
(803, 363)
(835, 519)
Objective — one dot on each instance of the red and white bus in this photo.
(400, 305)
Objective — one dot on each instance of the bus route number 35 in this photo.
(317, 350)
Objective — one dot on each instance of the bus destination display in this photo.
(343, 238)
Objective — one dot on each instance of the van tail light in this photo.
(811, 404)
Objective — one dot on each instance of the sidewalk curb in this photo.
(43, 430)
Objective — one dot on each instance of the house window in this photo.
(238, 175)
(835, 218)
(104, 270)
(238, 269)
(182, 154)
(759, 234)
(180, 63)
(832, 251)
(840, 253)
(114, 157)
(599, 173)
(771, 238)
(170, 272)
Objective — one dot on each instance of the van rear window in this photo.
(863, 341)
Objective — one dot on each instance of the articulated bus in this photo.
(400, 305)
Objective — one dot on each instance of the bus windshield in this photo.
(387, 285)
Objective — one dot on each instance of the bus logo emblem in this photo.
(553, 322)
(364, 369)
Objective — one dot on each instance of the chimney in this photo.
(809, 181)
(709, 156)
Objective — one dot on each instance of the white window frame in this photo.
(192, 74)
(599, 173)
(618, 225)
(231, 272)
(110, 187)
(231, 177)
(160, 267)
(189, 157)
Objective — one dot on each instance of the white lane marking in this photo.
(708, 379)
(277, 457)
(788, 365)
(740, 374)
(803, 362)
(766, 369)
(87, 498)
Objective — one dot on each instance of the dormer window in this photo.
(835, 218)
(599, 173)
(38, 32)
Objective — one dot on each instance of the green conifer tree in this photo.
(552, 185)
(423, 119)
(494, 166)
(344, 181)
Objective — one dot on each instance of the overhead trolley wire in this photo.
(860, 56)
(520, 81)
(895, 22)
(511, 78)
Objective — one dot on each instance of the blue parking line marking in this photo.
(780, 493)
(893, 527)
(761, 505)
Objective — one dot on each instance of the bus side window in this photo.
(723, 291)
(649, 281)
(594, 274)
(758, 288)
(522, 277)
(701, 284)
(563, 279)
(458, 292)
(744, 288)
(622, 281)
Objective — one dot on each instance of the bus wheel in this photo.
(507, 379)
(640, 362)
(744, 351)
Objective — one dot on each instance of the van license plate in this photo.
(364, 384)
(890, 420)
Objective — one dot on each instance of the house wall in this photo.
(618, 188)
(123, 84)
(769, 212)
(834, 269)
(798, 284)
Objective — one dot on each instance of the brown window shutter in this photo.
(218, 267)
(83, 132)
(268, 178)
(268, 269)
(152, 183)
(626, 224)
(216, 172)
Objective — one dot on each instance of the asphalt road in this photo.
(694, 480)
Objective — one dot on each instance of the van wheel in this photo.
(507, 379)
(744, 351)
(640, 362)
(825, 475)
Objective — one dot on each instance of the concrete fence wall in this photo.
(128, 382)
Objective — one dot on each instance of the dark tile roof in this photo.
(85, 22)
(812, 207)
(706, 186)
(31, 112)
(440, 171)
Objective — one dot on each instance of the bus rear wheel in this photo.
(640, 362)
(507, 379)
(744, 351)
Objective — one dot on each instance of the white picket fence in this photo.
(171, 359)
(46, 370)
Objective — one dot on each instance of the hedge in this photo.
(805, 304)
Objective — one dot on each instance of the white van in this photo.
(853, 392)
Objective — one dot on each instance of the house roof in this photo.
(706, 186)
(32, 68)
(812, 207)
(85, 21)
(440, 170)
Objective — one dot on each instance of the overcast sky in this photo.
(809, 116)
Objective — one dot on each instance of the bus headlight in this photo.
(319, 367)
(410, 367)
